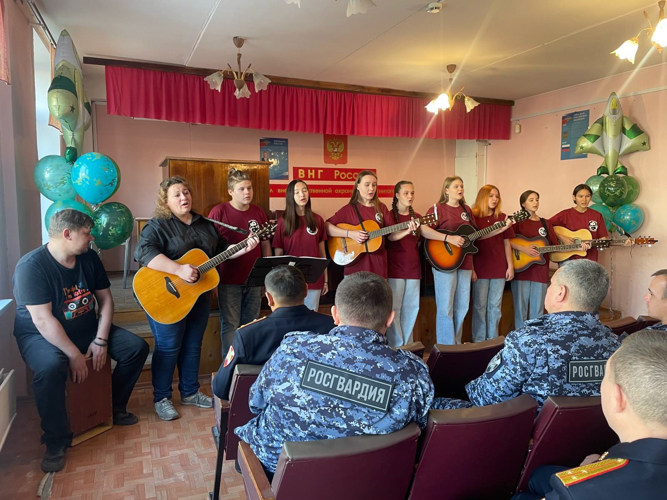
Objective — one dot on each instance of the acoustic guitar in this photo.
(168, 299)
(344, 251)
(447, 257)
(522, 261)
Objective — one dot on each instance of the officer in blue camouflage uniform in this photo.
(255, 342)
(634, 402)
(656, 300)
(559, 354)
(346, 383)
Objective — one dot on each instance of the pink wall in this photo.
(531, 160)
(20, 224)
(138, 146)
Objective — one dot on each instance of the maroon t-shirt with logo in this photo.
(235, 272)
(591, 220)
(375, 262)
(302, 243)
(531, 229)
(450, 219)
(403, 255)
(490, 262)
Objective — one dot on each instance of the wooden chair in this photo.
(139, 223)
(416, 348)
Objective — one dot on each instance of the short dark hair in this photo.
(579, 187)
(364, 299)
(69, 219)
(287, 285)
(661, 272)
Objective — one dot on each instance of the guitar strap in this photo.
(546, 228)
(361, 223)
(472, 219)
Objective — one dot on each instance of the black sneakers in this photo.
(54, 458)
(124, 418)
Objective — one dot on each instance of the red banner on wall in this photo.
(335, 149)
(328, 191)
(327, 173)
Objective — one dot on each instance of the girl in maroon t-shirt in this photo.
(403, 265)
(301, 233)
(238, 304)
(365, 198)
(581, 217)
(529, 287)
(493, 266)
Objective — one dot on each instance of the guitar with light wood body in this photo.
(167, 298)
(344, 251)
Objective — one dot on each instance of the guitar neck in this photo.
(391, 229)
(221, 257)
(486, 230)
(558, 248)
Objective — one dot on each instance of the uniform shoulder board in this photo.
(253, 322)
(585, 472)
(534, 322)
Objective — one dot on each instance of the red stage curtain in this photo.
(187, 98)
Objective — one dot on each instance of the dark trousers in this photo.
(179, 346)
(50, 367)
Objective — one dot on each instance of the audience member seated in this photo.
(656, 300)
(255, 342)
(634, 402)
(562, 353)
(346, 383)
(56, 328)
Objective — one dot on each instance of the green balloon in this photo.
(53, 178)
(613, 190)
(593, 182)
(62, 205)
(113, 225)
(633, 190)
(607, 215)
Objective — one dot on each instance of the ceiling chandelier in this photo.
(447, 100)
(353, 6)
(215, 80)
(658, 36)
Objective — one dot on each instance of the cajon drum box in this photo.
(89, 403)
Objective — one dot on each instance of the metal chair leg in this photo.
(126, 264)
(215, 494)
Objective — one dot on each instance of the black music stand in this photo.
(311, 267)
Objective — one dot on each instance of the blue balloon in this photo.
(53, 178)
(630, 217)
(62, 205)
(95, 177)
(607, 215)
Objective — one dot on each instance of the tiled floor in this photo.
(152, 459)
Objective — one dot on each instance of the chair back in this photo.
(451, 367)
(474, 452)
(416, 348)
(352, 468)
(645, 322)
(619, 326)
(567, 430)
(239, 409)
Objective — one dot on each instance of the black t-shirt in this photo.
(40, 279)
(173, 238)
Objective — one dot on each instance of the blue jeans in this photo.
(528, 300)
(312, 300)
(406, 306)
(179, 345)
(487, 300)
(238, 305)
(452, 299)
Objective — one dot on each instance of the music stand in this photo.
(311, 267)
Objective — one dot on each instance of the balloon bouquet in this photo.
(614, 191)
(93, 176)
